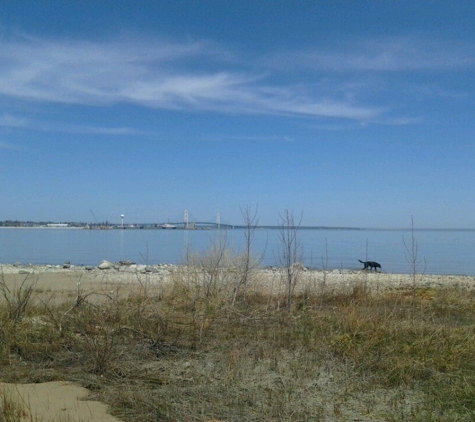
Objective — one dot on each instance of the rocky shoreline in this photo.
(104, 265)
(129, 272)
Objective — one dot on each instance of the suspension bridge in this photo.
(186, 224)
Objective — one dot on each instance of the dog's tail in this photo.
(361, 261)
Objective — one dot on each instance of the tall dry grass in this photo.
(190, 350)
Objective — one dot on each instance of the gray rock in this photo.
(105, 265)
(126, 263)
(89, 267)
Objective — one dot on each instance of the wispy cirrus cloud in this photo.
(83, 72)
(11, 121)
(12, 147)
(88, 130)
(383, 55)
(249, 138)
(346, 82)
(173, 76)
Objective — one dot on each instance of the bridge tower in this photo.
(218, 220)
(185, 219)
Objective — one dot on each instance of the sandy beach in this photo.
(54, 400)
(58, 401)
(56, 278)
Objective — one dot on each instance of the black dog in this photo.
(370, 265)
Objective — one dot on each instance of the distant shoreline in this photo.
(140, 227)
(44, 227)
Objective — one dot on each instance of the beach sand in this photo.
(66, 401)
(59, 280)
(57, 401)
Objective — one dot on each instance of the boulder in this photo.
(126, 263)
(105, 265)
(141, 268)
(132, 267)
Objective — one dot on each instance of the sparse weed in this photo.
(187, 350)
(12, 410)
(18, 297)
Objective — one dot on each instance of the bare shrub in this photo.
(246, 262)
(184, 353)
(290, 253)
(208, 274)
(57, 314)
(101, 347)
(19, 296)
(411, 253)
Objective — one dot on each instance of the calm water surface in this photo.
(439, 251)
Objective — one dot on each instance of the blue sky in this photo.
(353, 113)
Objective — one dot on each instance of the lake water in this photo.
(439, 251)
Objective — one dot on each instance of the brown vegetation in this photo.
(196, 348)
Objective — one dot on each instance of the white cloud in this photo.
(251, 138)
(91, 130)
(157, 75)
(8, 120)
(12, 147)
(11, 121)
(384, 55)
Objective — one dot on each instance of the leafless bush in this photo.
(291, 252)
(19, 296)
(208, 274)
(411, 253)
(183, 353)
(57, 316)
(247, 261)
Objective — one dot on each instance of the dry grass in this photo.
(189, 351)
(11, 410)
